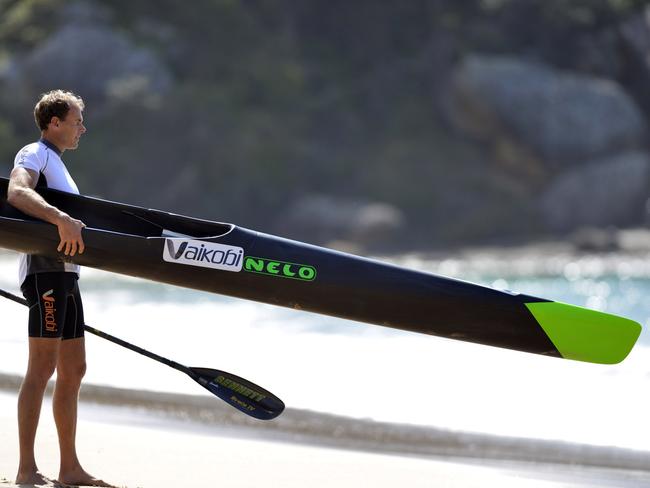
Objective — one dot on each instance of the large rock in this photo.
(610, 191)
(96, 62)
(323, 219)
(634, 54)
(561, 117)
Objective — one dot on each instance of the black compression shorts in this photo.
(55, 308)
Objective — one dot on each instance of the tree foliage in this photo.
(274, 99)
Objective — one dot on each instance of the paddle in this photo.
(245, 396)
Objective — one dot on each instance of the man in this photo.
(56, 333)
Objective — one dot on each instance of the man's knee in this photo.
(39, 372)
(71, 367)
(71, 371)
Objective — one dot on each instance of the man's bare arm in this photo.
(21, 195)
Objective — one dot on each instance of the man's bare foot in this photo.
(79, 477)
(33, 478)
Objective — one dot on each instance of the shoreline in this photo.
(132, 450)
(155, 439)
(205, 414)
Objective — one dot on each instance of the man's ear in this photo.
(55, 121)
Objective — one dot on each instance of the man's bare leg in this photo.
(70, 370)
(43, 355)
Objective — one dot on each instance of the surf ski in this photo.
(231, 260)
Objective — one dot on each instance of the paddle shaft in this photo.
(243, 395)
(139, 350)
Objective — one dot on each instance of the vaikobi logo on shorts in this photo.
(204, 254)
(48, 305)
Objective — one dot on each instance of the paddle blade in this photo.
(245, 396)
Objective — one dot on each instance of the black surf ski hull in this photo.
(231, 260)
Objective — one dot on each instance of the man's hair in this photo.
(55, 103)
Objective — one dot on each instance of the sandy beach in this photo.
(136, 446)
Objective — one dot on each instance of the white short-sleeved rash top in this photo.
(44, 158)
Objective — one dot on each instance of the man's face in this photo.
(69, 130)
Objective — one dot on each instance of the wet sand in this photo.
(153, 443)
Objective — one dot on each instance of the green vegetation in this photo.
(271, 100)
